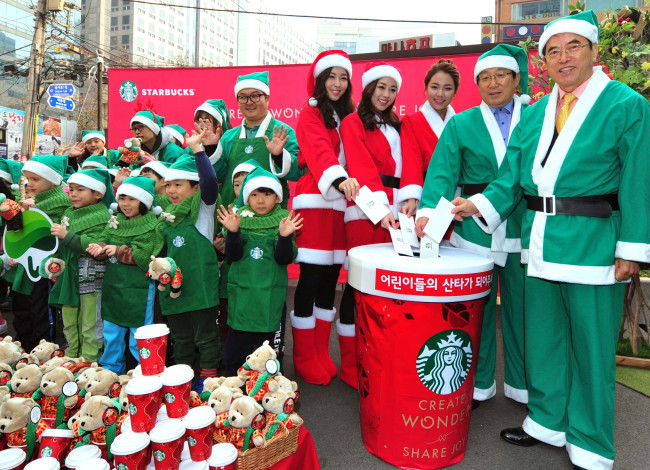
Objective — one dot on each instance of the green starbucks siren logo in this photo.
(170, 397)
(159, 455)
(144, 352)
(122, 466)
(128, 91)
(133, 409)
(191, 440)
(444, 361)
(46, 452)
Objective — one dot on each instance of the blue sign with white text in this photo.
(61, 103)
(61, 90)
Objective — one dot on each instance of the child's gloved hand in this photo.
(290, 224)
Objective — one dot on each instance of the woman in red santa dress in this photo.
(373, 153)
(420, 131)
(321, 199)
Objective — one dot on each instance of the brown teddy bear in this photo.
(103, 382)
(279, 407)
(18, 423)
(27, 359)
(285, 385)
(130, 152)
(124, 398)
(57, 396)
(82, 378)
(259, 367)
(165, 271)
(97, 422)
(25, 381)
(10, 351)
(245, 423)
(45, 351)
(210, 385)
(220, 400)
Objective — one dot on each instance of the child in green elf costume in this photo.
(92, 143)
(260, 245)
(77, 290)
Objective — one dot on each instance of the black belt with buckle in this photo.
(588, 206)
(390, 181)
(471, 189)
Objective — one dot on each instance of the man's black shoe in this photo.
(475, 404)
(518, 437)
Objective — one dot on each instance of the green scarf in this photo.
(139, 233)
(188, 206)
(88, 221)
(162, 201)
(53, 202)
(260, 224)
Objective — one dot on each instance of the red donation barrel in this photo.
(418, 331)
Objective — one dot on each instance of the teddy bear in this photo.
(10, 351)
(97, 422)
(86, 376)
(17, 424)
(220, 400)
(210, 385)
(259, 367)
(27, 359)
(6, 371)
(57, 396)
(24, 382)
(44, 351)
(124, 398)
(104, 382)
(278, 406)
(12, 212)
(283, 384)
(165, 271)
(245, 422)
(130, 152)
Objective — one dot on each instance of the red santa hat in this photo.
(325, 60)
(376, 70)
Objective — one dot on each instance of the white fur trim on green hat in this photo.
(495, 61)
(87, 181)
(43, 171)
(584, 24)
(262, 182)
(142, 195)
(142, 118)
(6, 176)
(175, 134)
(211, 111)
(87, 135)
(174, 174)
(256, 80)
(157, 167)
(243, 167)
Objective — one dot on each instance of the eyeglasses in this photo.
(572, 50)
(499, 77)
(137, 128)
(255, 98)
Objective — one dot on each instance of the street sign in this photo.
(61, 90)
(61, 103)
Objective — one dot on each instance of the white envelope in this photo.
(429, 248)
(398, 242)
(371, 205)
(407, 226)
(440, 220)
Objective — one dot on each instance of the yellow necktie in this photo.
(563, 117)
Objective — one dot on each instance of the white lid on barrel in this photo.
(143, 385)
(454, 276)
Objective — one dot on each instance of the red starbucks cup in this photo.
(152, 348)
(46, 463)
(81, 454)
(128, 451)
(191, 465)
(12, 458)
(55, 443)
(224, 457)
(145, 395)
(199, 425)
(177, 385)
(94, 464)
(167, 444)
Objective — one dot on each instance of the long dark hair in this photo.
(343, 107)
(368, 114)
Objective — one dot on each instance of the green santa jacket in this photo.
(471, 151)
(599, 151)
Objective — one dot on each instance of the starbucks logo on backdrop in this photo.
(444, 361)
(128, 91)
(170, 397)
(46, 452)
(144, 352)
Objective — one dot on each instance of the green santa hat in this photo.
(508, 57)
(149, 119)
(11, 171)
(50, 167)
(183, 169)
(177, 132)
(160, 168)
(584, 24)
(257, 80)
(95, 161)
(87, 135)
(97, 180)
(246, 167)
(259, 178)
(138, 187)
(218, 110)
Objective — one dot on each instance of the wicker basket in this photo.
(275, 449)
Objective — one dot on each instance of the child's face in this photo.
(37, 184)
(237, 182)
(80, 196)
(262, 202)
(179, 190)
(129, 206)
(160, 184)
(95, 146)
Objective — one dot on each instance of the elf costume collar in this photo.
(176, 213)
(253, 222)
(133, 227)
(52, 198)
(78, 220)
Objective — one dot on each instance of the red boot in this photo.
(324, 319)
(349, 374)
(305, 358)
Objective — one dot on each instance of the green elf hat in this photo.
(584, 24)
(177, 132)
(246, 167)
(160, 168)
(50, 167)
(508, 57)
(257, 80)
(10, 171)
(183, 169)
(95, 161)
(218, 110)
(139, 187)
(97, 180)
(87, 135)
(259, 178)
(149, 119)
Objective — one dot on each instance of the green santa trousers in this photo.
(571, 336)
(82, 327)
(196, 330)
(511, 285)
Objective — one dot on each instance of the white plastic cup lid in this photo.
(143, 385)
(94, 464)
(46, 463)
(167, 431)
(151, 331)
(222, 454)
(126, 425)
(177, 375)
(185, 455)
(162, 413)
(192, 465)
(199, 417)
(129, 443)
(81, 454)
(58, 433)
(12, 457)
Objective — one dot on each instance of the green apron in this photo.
(197, 260)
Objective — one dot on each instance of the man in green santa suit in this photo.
(260, 137)
(155, 139)
(470, 155)
(580, 166)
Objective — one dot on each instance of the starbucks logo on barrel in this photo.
(444, 361)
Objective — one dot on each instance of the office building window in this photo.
(537, 10)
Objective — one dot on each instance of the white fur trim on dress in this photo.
(157, 167)
(87, 182)
(174, 174)
(43, 171)
(380, 71)
(427, 212)
(496, 61)
(145, 197)
(212, 111)
(155, 128)
(262, 182)
(316, 201)
(324, 314)
(544, 434)
(252, 83)
(483, 394)
(328, 177)
(93, 135)
(345, 330)
(585, 459)
(568, 25)
(302, 323)
(214, 158)
(639, 252)
(333, 60)
(520, 396)
(500, 258)
(286, 164)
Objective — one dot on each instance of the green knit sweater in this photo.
(53, 202)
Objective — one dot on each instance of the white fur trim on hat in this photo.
(380, 71)
(43, 171)
(332, 60)
(157, 167)
(252, 83)
(91, 164)
(175, 134)
(94, 135)
(494, 61)
(136, 192)
(211, 111)
(247, 167)
(568, 25)
(155, 128)
(6, 176)
(174, 174)
(262, 182)
(87, 182)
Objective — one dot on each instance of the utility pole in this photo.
(34, 78)
(100, 92)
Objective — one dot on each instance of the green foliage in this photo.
(624, 348)
(577, 8)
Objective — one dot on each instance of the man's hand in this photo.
(419, 226)
(121, 175)
(77, 150)
(624, 269)
(464, 208)
(276, 146)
